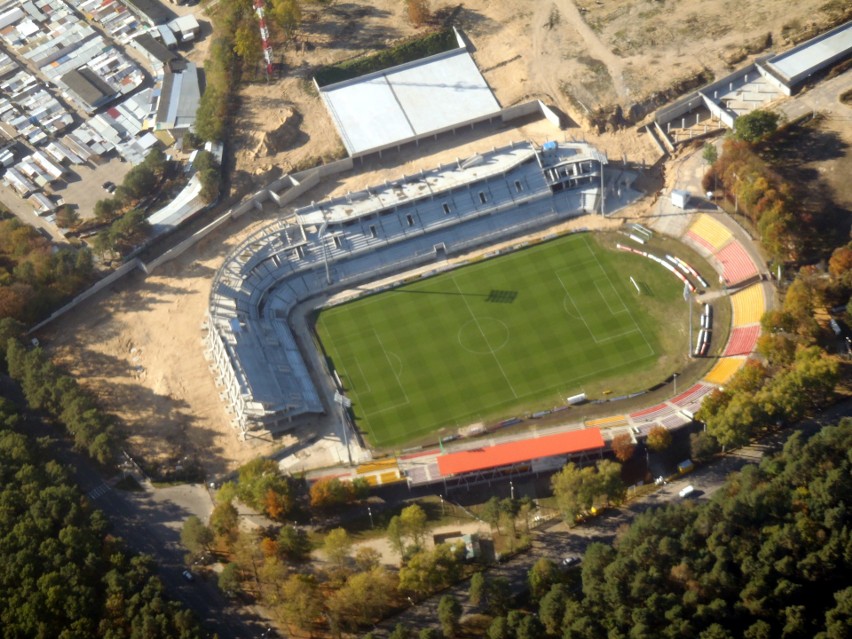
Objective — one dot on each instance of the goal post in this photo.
(638, 290)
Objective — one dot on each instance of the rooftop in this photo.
(516, 452)
(389, 107)
(814, 53)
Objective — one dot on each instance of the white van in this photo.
(686, 492)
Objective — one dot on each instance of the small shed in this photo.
(680, 198)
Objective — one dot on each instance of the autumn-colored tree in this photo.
(659, 438)
(840, 264)
(269, 547)
(623, 447)
(330, 492)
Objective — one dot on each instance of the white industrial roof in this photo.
(393, 106)
(802, 59)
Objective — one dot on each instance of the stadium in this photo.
(338, 309)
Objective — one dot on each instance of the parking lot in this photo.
(83, 185)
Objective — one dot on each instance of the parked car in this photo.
(567, 562)
(109, 187)
(188, 575)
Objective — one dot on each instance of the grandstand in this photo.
(724, 370)
(713, 239)
(748, 305)
(382, 230)
(743, 340)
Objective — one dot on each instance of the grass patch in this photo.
(506, 335)
(406, 51)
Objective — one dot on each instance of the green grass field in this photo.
(509, 334)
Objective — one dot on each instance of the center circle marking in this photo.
(483, 336)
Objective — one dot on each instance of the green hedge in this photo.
(407, 51)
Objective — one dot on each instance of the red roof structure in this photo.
(467, 461)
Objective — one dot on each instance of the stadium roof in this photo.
(383, 109)
(468, 461)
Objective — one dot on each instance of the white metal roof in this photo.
(803, 58)
(392, 106)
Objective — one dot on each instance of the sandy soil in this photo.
(578, 56)
(140, 346)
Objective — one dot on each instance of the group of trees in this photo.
(49, 389)
(210, 175)
(759, 192)
(763, 394)
(767, 557)
(348, 591)
(61, 573)
(717, 570)
(128, 225)
(35, 277)
(578, 489)
(237, 48)
(794, 375)
(331, 492)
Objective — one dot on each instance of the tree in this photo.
(623, 447)
(400, 631)
(287, 14)
(541, 577)
(330, 492)
(364, 598)
(195, 536)
(67, 217)
(428, 633)
(574, 490)
(367, 558)
(105, 210)
(247, 43)
(499, 595)
(428, 571)
(499, 629)
(659, 438)
(756, 126)
(338, 547)
(703, 446)
(449, 615)
(491, 513)
(229, 579)
(551, 608)
(840, 265)
(225, 523)
(709, 153)
(396, 536)
(301, 603)
(478, 589)
(610, 485)
(413, 521)
(529, 628)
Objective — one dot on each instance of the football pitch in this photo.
(508, 334)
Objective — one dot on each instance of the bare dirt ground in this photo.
(139, 346)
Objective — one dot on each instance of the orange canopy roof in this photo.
(515, 452)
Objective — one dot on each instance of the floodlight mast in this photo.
(344, 403)
(264, 37)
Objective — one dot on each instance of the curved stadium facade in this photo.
(349, 240)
